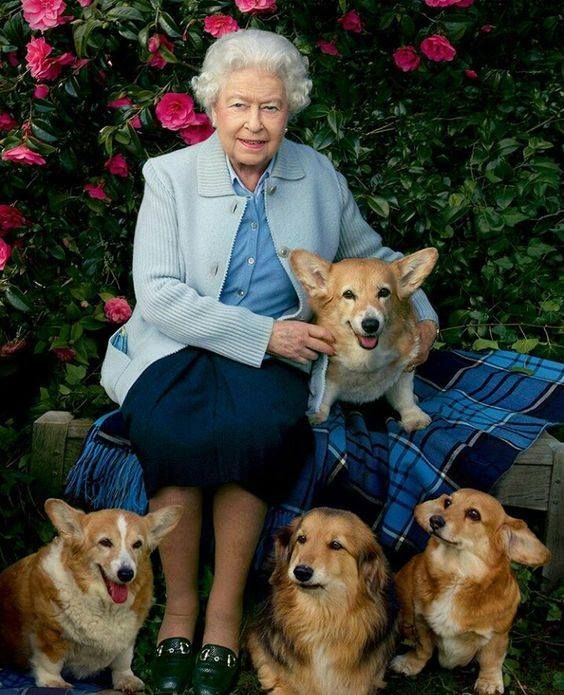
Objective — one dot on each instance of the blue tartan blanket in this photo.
(486, 409)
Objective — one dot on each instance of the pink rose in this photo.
(117, 310)
(256, 5)
(23, 155)
(464, 3)
(153, 45)
(7, 122)
(350, 21)
(40, 65)
(328, 47)
(64, 354)
(117, 165)
(486, 28)
(471, 74)
(41, 91)
(437, 48)
(10, 218)
(175, 110)
(96, 190)
(5, 253)
(219, 24)
(43, 14)
(199, 129)
(440, 3)
(406, 58)
(12, 346)
(84, 3)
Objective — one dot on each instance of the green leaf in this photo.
(379, 205)
(168, 24)
(558, 681)
(17, 299)
(483, 344)
(525, 346)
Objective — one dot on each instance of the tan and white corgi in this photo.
(364, 302)
(77, 604)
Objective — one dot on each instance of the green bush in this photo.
(466, 162)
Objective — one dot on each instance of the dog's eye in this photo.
(137, 544)
(301, 539)
(384, 292)
(448, 502)
(473, 514)
(335, 545)
(349, 294)
(106, 542)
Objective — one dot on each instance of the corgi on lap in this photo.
(365, 303)
(78, 603)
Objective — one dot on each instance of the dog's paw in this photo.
(407, 664)
(414, 419)
(489, 685)
(319, 417)
(128, 683)
(52, 682)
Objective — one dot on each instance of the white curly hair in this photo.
(253, 48)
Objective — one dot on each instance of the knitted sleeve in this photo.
(174, 307)
(359, 240)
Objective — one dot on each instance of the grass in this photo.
(534, 664)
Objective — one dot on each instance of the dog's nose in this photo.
(436, 522)
(303, 573)
(370, 325)
(125, 574)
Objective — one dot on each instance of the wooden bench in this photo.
(534, 482)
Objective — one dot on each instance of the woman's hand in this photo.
(299, 341)
(428, 331)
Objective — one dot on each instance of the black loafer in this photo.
(216, 671)
(172, 667)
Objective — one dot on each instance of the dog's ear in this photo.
(373, 569)
(521, 544)
(161, 522)
(312, 271)
(66, 519)
(413, 269)
(283, 542)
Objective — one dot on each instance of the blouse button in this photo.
(283, 252)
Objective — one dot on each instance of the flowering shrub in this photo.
(442, 114)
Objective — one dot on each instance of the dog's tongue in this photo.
(368, 342)
(118, 592)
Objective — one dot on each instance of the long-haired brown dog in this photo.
(329, 626)
(460, 594)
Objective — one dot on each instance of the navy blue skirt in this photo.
(197, 419)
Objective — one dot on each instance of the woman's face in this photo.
(250, 116)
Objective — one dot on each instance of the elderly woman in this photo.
(213, 382)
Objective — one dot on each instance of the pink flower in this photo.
(486, 28)
(154, 43)
(117, 165)
(40, 65)
(13, 59)
(256, 5)
(219, 24)
(175, 110)
(117, 310)
(126, 102)
(5, 253)
(7, 122)
(79, 63)
(96, 190)
(23, 155)
(471, 74)
(84, 3)
(41, 91)
(440, 3)
(12, 346)
(10, 218)
(65, 354)
(437, 48)
(350, 21)
(464, 3)
(328, 47)
(406, 58)
(199, 129)
(43, 14)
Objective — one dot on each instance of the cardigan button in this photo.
(283, 252)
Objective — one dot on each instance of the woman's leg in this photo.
(179, 552)
(238, 517)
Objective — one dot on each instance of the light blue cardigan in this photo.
(183, 241)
